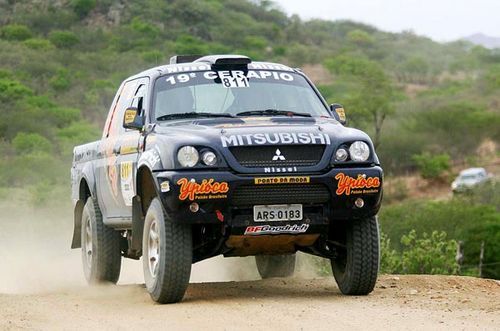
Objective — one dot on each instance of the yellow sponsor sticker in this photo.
(129, 116)
(128, 150)
(282, 180)
(341, 113)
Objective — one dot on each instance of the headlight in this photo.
(341, 155)
(359, 151)
(188, 156)
(209, 158)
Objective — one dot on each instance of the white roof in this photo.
(472, 171)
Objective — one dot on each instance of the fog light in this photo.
(194, 207)
(209, 158)
(341, 155)
(359, 203)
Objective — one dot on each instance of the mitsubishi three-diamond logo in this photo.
(277, 156)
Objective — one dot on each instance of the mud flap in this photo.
(77, 220)
(135, 249)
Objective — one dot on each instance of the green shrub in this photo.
(432, 254)
(61, 81)
(429, 254)
(63, 116)
(16, 32)
(432, 166)
(153, 56)
(63, 39)
(462, 219)
(12, 90)
(145, 28)
(489, 234)
(83, 7)
(390, 260)
(187, 44)
(27, 143)
(38, 44)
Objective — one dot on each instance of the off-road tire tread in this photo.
(275, 265)
(108, 248)
(178, 259)
(363, 258)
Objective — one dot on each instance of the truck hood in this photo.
(227, 132)
(221, 134)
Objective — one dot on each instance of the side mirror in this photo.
(132, 119)
(338, 112)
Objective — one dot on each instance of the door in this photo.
(128, 148)
(107, 169)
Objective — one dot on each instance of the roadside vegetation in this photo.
(428, 106)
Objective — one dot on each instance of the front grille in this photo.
(269, 156)
(248, 195)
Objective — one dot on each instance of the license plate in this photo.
(276, 213)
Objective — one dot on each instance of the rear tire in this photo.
(101, 254)
(275, 265)
(356, 267)
(167, 255)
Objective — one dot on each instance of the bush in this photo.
(83, 7)
(432, 166)
(12, 90)
(38, 44)
(63, 39)
(462, 219)
(27, 143)
(489, 234)
(390, 260)
(432, 254)
(61, 81)
(16, 32)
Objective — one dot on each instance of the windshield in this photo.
(469, 177)
(235, 93)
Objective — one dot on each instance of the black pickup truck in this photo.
(221, 155)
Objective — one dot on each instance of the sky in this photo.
(442, 20)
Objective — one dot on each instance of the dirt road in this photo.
(399, 302)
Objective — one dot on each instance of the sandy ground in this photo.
(399, 302)
(42, 288)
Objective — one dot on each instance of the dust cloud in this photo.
(35, 254)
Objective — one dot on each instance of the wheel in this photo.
(101, 254)
(167, 255)
(275, 265)
(356, 267)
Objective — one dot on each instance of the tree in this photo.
(372, 93)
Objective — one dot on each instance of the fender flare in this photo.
(139, 206)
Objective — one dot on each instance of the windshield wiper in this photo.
(270, 111)
(191, 115)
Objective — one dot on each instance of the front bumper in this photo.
(226, 197)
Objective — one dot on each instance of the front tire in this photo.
(356, 267)
(275, 265)
(101, 254)
(167, 255)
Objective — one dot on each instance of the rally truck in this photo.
(223, 155)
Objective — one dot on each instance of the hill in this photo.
(484, 40)
(61, 62)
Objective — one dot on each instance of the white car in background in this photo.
(469, 178)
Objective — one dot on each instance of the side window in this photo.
(124, 101)
(139, 97)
